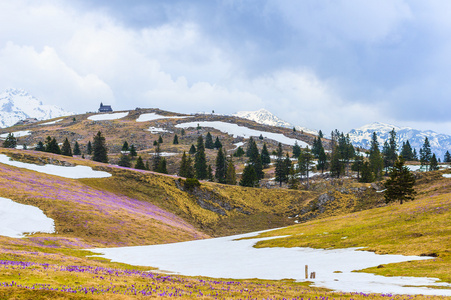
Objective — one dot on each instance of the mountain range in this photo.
(17, 105)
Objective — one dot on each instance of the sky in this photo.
(318, 64)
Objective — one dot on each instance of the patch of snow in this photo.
(413, 168)
(165, 154)
(17, 219)
(67, 172)
(52, 122)
(154, 116)
(157, 130)
(227, 257)
(239, 144)
(245, 132)
(447, 175)
(105, 117)
(16, 134)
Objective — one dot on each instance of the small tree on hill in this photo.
(231, 174)
(399, 187)
(175, 141)
(10, 141)
(192, 150)
(66, 149)
(209, 141)
(125, 146)
(200, 160)
(124, 160)
(186, 167)
(133, 152)
(40, 146)
(266, 159)
(433, 165)
(447, 157)
(249, 177)
(77, 150)
(221, 166)
(239, 152)
(99, 150)
(89, 148)
(162, 166)
(140, 164)
(217, 143)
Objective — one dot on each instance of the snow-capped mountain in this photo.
(440, 143)
(265, 117)
(16, 105)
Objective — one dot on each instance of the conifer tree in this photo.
(192, 150)
(255, 159)
(175, 141)
(280, 172)
(406, 151)
(52, 146)
(447, 157)
(425, 153)
(251, 147)
(209, 141)
(433, 165)
(10, 141)
(217, 143)
(239, 152)
(99, 150)
(297, 149)
(160, 140)
(336, 166)
(292, 180)
(182, 132)
(375, 158)
(133, 152)
(266, 159)
(346, 150)
(221, 166)
(89, 148)
(305, 162)
(124, 160)
(249, 177)
(162, 166)
(357, 165)
(231, 174)
(200, 160)
(156, 157)
(66, 150)
(210, 176)
(320, 134)
(186, 167)
(125, 146)
(367, 173)
(322, 160)
(140, 164)
(77, 150)
(317, 146)
(414, 155)
(40, 146)
(399, 187)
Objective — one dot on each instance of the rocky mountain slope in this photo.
(440, 143)
(17, 105)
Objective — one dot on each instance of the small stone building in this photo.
(105, 108)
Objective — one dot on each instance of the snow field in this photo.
(16, 134)
(245, 132)
(17, 219)
(447, 175)
(230, 258)
(105, 117)
(154, 116)
(157, 130)
(52, 122)
(67, 172)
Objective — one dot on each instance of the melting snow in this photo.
(17, 219)
(52, 122)
(157, 130)
(245, 132)
(105, 117)
(228, 258)
(67, 172)
(447, 175)
(16, 134)
(165, 154)
(154, 116)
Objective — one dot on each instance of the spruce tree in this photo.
(367, 173)
(357, 165)
(280, 172)
(10, 141)
(296, 149)
(52, 146)
(266, 159)
(433, 165)
(175, 141)
(249, 177)
(156, 157)
(40, 146)
(336, 166)
(414, 155)
(192, 150)
(320, 134)
(99, 150)
(217, 143)
(200, 160)
(322, 160)
(66, 150)
(255, 159)
(375, 158)
(140, 164)
(406, 151)
(239, 152)
(399, 187)
(209, 141)
(133, 152)
(210, 176)
(89, 148)
(162, 166)
(160, 140)
(221, 166)
(425, 153)
(77, 150)
(305, 163)
(447, 157)
(231, 174)
(124, 160)
(125, 146)
(186, 167)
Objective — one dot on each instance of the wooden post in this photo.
(306, 271)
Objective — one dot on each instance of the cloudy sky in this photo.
(319, 64)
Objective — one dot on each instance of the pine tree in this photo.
(40, 146)
(52, 146)
(239, 152)
(200, 160)
(266, 159)
(249, 177)
(406, 151)
(320, 134)
(162, 166)
(209, 141)
(160, 140)
(375, 158)
(447, 157)
(221, 166)
(186, 167)
(316, 147)
(399, 187)
(124, 160)
(280, 172)
(255, 159)
(77, 150)
(182, 132)
(231, 174)
(10, 141)
(133, 152)
(433, 165)
(297, 149)
(218, 143)
(336, 166)
(346, 150)
(292, 180)
(99, 150)
(305, 162)
(367, 173)
(175, 141)
(125, 146)
(357, 165)
(192, 150)
(251, 148)
(156, 157)
(140, 164)
(89, 148)
(210, 176)
(322, 160)
(392, 148)
(66, 150)
(425, 153)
